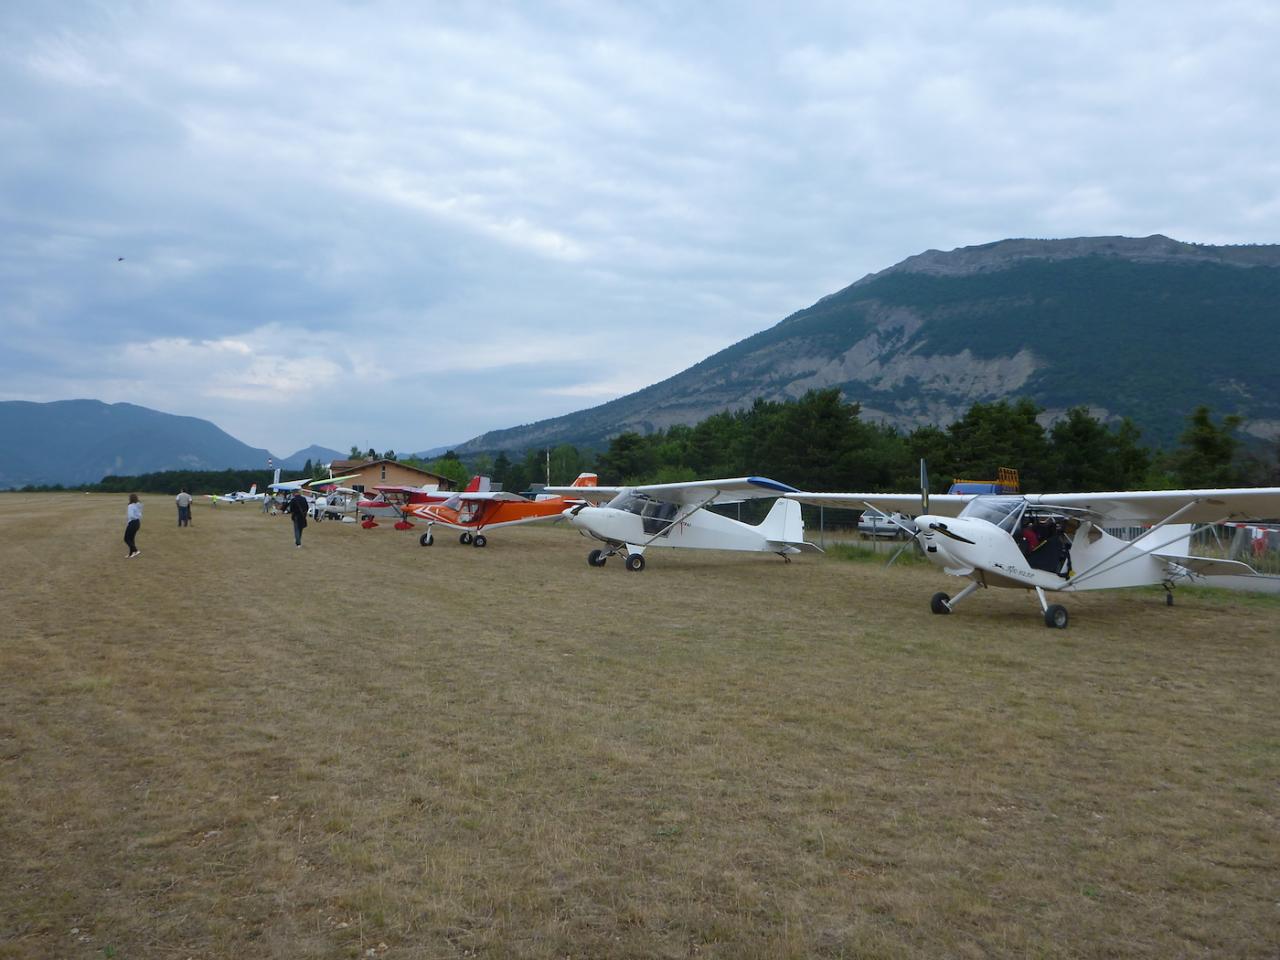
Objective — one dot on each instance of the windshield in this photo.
(630, 501)
(1002, 511)
(658, 515)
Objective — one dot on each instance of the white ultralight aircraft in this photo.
(288, 486)
(629, 520)
(237, 496)
(1056, 542)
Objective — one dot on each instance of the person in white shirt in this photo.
(184, 508)
(134, 515)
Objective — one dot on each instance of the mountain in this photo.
(1146, 328)
(433, 452)
(315, 453)
(81, 441)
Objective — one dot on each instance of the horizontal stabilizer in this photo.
(791, 546)
(1210, 566)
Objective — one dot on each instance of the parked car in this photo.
(879, 525)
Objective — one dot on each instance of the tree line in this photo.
(821, 442)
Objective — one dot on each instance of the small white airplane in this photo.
(332, 502)
(632, 519)
(238, 496)
(288, 486)
(1055, 542)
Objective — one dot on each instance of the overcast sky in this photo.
(403, 224)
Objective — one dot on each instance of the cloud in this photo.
(459, 212)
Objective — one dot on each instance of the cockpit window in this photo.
(1002, 511)
(630, 501)
(657, 514)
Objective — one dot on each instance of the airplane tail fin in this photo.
(1171, 540)
(783, 523)
(253, 489)
(478, 484)
(585, 480)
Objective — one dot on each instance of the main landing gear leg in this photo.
(785, 558)
(1055, 614)
(1168, 593)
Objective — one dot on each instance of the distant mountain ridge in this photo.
(80, 441)
(315, 453)
(1146, 328)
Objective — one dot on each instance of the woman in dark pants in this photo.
(134, 516)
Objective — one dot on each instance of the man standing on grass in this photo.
(298, 507)
(184, 508)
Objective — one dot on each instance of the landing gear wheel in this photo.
(479, 540)
(938, 603)
(426, 540)
(635, 562)
(596, 558)
(464, 538)
(1168, 599)
(1055, 617)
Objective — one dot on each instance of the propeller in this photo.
(914, 538)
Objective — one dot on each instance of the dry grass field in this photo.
(229, 747)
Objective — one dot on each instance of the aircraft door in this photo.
(657, 517)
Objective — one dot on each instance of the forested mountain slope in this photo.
(1146, 328)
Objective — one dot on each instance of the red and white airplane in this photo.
(473, 512)
(392, 501)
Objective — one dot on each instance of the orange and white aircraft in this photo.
(394, 501)
(473, 512)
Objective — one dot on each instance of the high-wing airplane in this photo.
(288, 486)
(473, 512)
(632, 519)
(333, 502)
(238, 496)
(392, 501)
(1056, 542)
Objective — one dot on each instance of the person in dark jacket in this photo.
(298, 508)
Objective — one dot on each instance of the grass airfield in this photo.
(232, 747)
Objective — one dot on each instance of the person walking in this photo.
(134, 517)
(298, 508)
(184, 508)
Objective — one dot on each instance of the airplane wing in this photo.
(940, 504)
(1156, 506)
(487, 495)
(705, 492)
(330, 480)
(590, 494)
